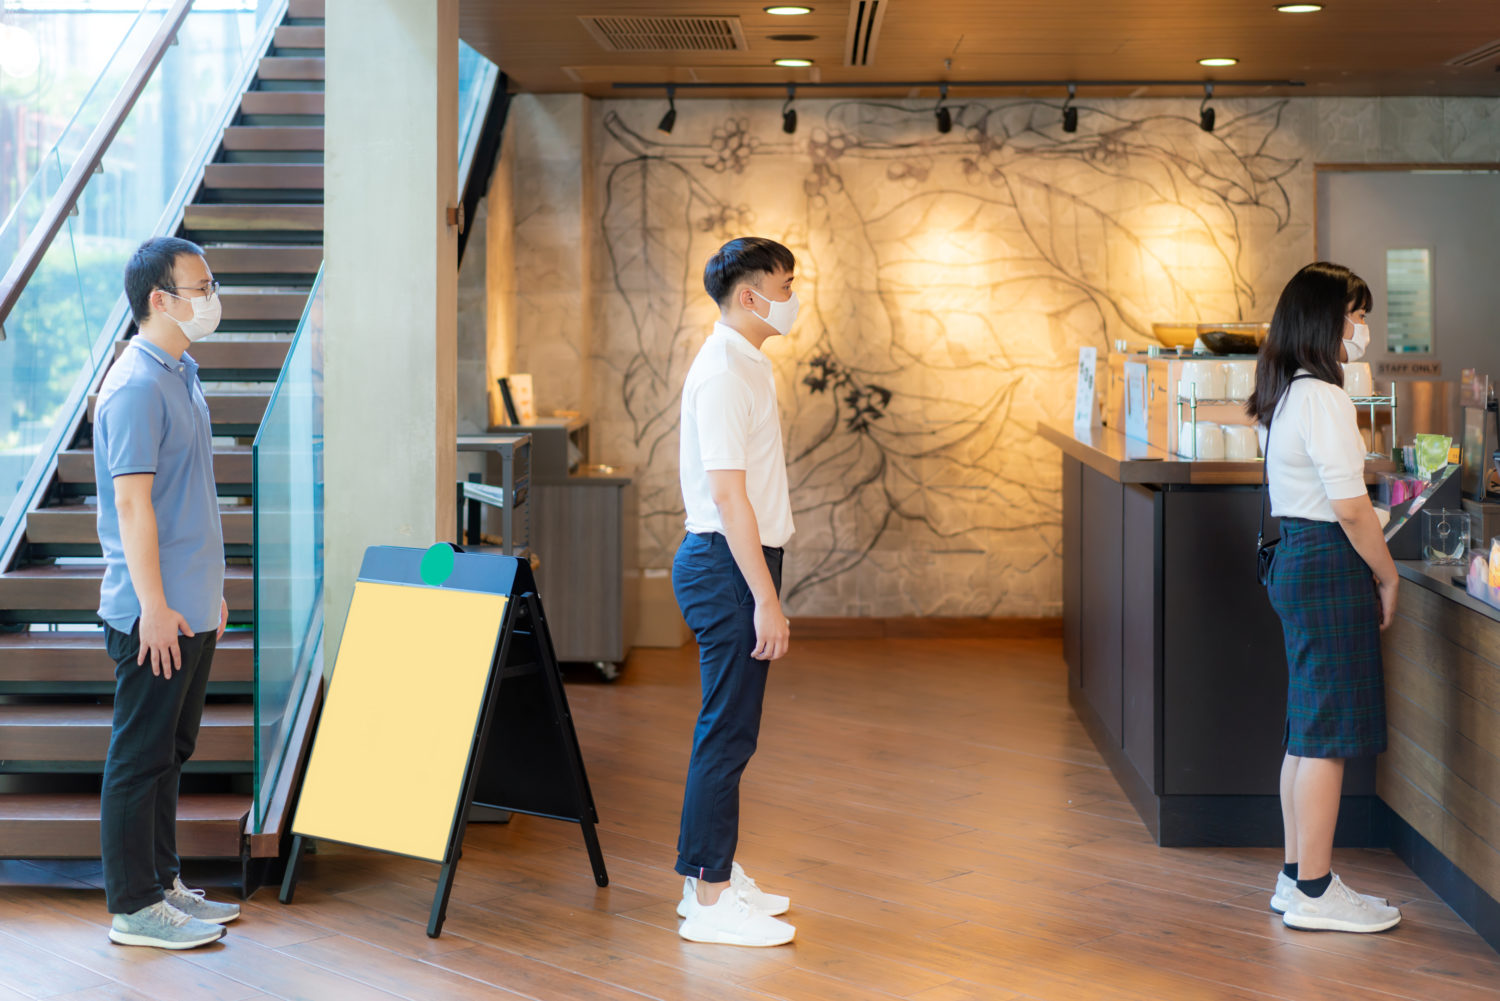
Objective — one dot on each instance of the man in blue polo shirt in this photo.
(162, 600)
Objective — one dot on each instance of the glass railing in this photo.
(476, 83)
(288, 492)
(60, 66)
(60, 331)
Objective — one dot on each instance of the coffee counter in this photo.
(1440, 777)
(1177, 669)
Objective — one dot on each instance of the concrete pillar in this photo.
(390, 337)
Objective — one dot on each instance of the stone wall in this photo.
(947, 283)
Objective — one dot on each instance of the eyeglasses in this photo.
(211, 289)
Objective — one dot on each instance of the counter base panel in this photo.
(1236, 821)
(1467, 898)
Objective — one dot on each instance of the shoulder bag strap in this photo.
(1265, 467)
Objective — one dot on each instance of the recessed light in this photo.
(793, 63)
(788, 9)
(1299, 8)
(1218, 61)
(793, 38)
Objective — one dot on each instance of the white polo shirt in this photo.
(730, 420)
(1316, 454)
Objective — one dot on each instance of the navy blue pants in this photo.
(155, 730)
(719, 608)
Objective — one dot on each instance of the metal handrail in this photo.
(89, 160)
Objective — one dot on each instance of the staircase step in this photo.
(66, 825)
(291, 68)
(77, 525)
(274, 137)
(302, 9)
(257, 310)
(70, 658)
(299, 38)
(231, 414)
(260, 359)
(284, 263)
(234, 467)
(80, 732)
(264, 175)
(307, 218)
(282, 102)
(70, 593)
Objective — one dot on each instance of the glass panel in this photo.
(288, 456)
(476, 82)
(62, 329)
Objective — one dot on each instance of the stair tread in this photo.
(69, 572)
(82, 642)
(78, 525)
(263, 175)
(233, 464)
(84, 807)
(283, 102)
(66, 659)
(216, 715)
(273, 137)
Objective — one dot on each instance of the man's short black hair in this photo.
(748, 257)
(150, 268)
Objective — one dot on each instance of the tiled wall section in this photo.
(947, 280)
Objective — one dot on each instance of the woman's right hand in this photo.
(1387, 591)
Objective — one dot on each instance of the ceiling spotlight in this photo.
(1205, 113)
(1218, 61)
(788, 9)
(789, 113)
(1299, 8)
(944, 116)
(1070, 113)
(793, 63)
(670, 118)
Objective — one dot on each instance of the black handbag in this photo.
(1265, 552)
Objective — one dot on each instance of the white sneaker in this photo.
(162, 926)
(732, 921)
(766, 903)
(1338, 909)
(1282, 898)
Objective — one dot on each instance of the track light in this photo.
(1205, 113)
(789, 113)
(670, 118)
(944, 116)
(1070, 113)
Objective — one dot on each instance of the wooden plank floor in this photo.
(941, 822)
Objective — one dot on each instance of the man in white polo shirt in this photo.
(727, 577)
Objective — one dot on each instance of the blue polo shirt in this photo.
(152, 418)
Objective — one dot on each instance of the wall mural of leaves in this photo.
(947, 283)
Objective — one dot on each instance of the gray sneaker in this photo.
(1282, 898)
(194, 904)
(162, 926)
(1338, 909)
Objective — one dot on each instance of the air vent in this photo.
(666, 34)
(865, 17)
(1477, 57)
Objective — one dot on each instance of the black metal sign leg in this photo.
(289, 881)
(440, 900)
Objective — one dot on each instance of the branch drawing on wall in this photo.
(947, 282)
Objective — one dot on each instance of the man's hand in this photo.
(1387, 591)
(223, 618)
(773, 633)
(159, 628)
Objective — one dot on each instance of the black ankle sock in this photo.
(1315, 887)
(1290, 868)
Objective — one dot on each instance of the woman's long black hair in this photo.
(1306, 331)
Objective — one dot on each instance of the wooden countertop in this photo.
(1439, 580)
(1127, 460)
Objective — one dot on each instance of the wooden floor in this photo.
(942, 824)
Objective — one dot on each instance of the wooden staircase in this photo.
(258, 212)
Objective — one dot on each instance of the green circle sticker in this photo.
(437, 565)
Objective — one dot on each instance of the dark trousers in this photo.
(155, 729)
(719, 608)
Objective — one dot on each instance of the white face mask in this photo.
(781, 315)
(1355, 346)
(206, 313)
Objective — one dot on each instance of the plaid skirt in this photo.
(1330, 615)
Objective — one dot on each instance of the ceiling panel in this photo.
(1352, 47)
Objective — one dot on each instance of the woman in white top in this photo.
(1332, 583)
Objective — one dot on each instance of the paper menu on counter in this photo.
(1085, 409)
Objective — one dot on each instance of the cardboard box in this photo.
(658, 621)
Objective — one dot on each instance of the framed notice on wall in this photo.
(1408, 301)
